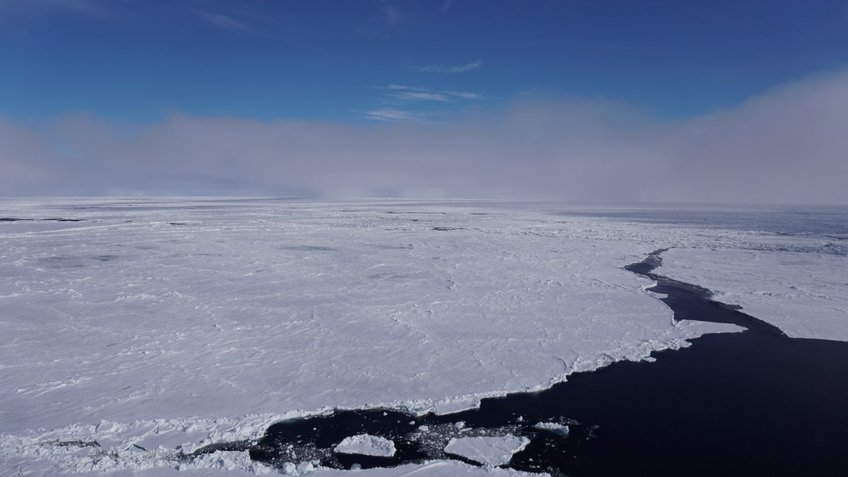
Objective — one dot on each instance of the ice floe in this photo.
(561, 430)
(366, 444)
(490, 451)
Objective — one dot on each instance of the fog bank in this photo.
(788, 145)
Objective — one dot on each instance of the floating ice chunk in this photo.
(554, 428)
(366, 444)
(489, 451)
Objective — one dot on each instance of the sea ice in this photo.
(366, 444)
(427, 469)
(805, 294)
(180, 323)
(489, 451)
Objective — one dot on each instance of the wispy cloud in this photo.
(420, 96)
(391, 115)
(465, 95)
(401, 103)
(418, 93)
(449, 68)
(223, 21)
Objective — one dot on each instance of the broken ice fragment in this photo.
(366, 444)
(489, 451)
(554, 428)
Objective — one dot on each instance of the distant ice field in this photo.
(164, 325)
(825, 221)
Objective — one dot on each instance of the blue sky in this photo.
(372, 60)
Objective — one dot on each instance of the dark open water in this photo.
(750, 403)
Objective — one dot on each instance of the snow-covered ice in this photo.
(490, 451)
(165, 325)
(236, 464)
(804, 294)
(366, 444)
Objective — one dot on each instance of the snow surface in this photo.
(366, 444)
(238, 464)
(428, 469)
(804, 294)
(154, 327)
(489, 451)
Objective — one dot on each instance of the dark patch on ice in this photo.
(749, 403)
(177, 224)
(308, 248)
(75, 443)
(150, 208)
(69, 261)
(448, 229)
(384, 276)
(61, 261)
(17, 219)
(407, 246)
(416, 212)
(825, 249)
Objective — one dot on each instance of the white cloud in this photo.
(464, 94)
(421, 96)
(787, 145)
(418, 93)
(390, 114)
(449, 69)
